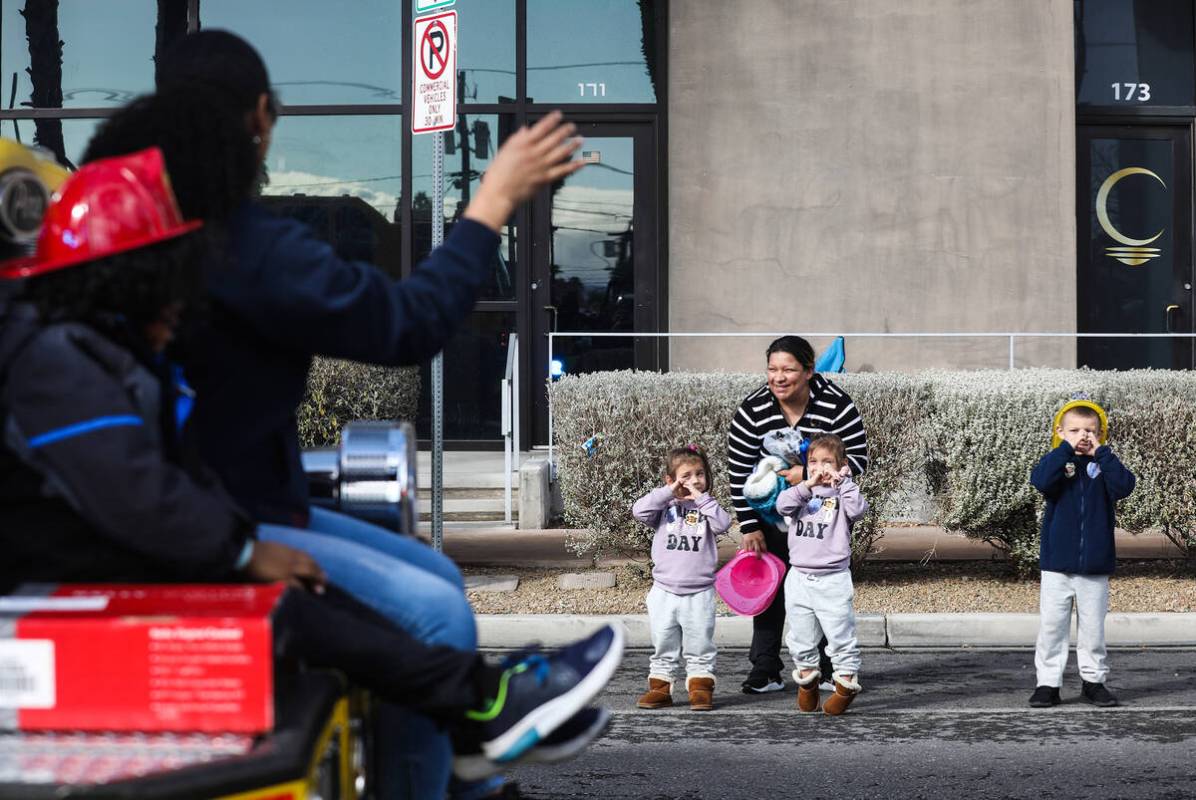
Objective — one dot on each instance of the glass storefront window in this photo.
(1133, 265)
(486, 50)
(107, 52)
(593, 257)
(475, 361)
(319, 52)
(342, 176)
(602, 51)
(467, 153)
(1134, 53)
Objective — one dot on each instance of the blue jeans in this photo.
(422, 592)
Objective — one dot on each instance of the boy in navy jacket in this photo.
(1082, 481)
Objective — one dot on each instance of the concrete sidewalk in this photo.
(548, 549)
(503, 547)
(895, 631)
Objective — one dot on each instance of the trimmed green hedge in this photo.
(339, 392)
(968, 439)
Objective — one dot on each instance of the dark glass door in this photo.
(594, 262)
(1134, 244)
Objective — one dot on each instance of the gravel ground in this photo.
(883, 588)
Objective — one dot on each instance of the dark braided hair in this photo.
(210, 154)
(125, 291)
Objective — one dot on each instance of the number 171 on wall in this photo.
(595, 89)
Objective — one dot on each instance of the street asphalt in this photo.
(929, 724)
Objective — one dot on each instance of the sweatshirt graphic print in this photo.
(820, 523)
(684, 547)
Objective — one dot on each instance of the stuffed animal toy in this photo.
(786, 448)
(787, 444)
(764, 486)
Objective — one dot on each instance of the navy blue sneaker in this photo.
(564, 743)
(541, 692)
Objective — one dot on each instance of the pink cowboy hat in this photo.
(747, 584)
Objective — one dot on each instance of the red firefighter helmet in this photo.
(107, 207)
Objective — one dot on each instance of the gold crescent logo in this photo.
(1134, 253)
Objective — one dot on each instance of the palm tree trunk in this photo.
(45, 73)
(172, 26)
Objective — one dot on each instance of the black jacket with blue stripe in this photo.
(92, 483)
(1077, 524)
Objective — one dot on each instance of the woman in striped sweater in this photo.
(798, 398)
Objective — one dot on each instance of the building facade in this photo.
(818, 166)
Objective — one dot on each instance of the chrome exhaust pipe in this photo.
(371, 475)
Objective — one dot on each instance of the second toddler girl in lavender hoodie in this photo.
(818, 590)
(684, 557)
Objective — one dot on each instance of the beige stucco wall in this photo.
(869, 165)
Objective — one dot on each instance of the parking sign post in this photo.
(434, 109)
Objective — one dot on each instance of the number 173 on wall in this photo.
(1131, 91)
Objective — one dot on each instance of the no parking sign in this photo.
(434, 101)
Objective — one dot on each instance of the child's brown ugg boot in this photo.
(701, 693)
(659, 694)
(807, 690)
(845, 692)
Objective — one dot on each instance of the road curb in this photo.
(899, 631)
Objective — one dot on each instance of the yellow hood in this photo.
(1100, 412)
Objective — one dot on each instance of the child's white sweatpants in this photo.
(1090, 593)
(822, 604)
(681, 624)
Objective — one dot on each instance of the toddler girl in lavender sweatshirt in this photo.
(687, 522)
(818, 589)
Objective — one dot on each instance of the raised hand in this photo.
(843, 474)
(529, 158)
(813, 476)
(679, 489)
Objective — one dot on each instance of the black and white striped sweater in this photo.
(829, 410)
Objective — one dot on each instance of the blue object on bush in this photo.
(591, 445)
(832, 358)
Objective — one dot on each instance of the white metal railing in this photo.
(510, 420)
(1012, 337)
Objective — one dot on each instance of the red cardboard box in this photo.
(139, 658)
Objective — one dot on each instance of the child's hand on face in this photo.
(813, 476)
(843, 474)
(679, 489)
(1087, 444)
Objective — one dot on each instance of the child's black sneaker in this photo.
(1045, 697)
(1097, 694)
(762, 683)
(539, 693)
